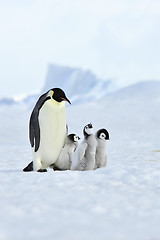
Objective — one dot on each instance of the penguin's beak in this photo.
(79, 138)
(66, 99)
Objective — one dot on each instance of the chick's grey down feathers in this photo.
(84, 157)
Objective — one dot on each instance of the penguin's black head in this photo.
(59, 95)
(88, 130)
(73, 137)
(102, 134)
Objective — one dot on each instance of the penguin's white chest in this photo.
(52, 122)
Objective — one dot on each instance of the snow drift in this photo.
(120, 201)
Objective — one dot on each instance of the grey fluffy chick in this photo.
(65, 158)
(84, 156)
(102, 136)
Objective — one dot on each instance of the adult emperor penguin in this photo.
(102, 136)
(84, 157)
(65, 158)
(47, 129)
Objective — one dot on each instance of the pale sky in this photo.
(115, 39)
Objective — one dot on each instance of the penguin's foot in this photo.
(56, 169)
(29, 167)
(42, 170)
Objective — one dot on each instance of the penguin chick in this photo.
(65, 158)
(102, 136)
(84, 156)
(47, 129)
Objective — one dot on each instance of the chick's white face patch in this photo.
(76, 138)
(102, 136)
(88, 130)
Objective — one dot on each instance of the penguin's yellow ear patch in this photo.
(51, 93)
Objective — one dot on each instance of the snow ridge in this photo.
(83, 86)
(79, 85)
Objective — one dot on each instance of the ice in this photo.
(119, 202)
(80, 85)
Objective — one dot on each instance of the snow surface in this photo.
(119, 202)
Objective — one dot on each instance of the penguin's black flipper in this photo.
(29, 167)
(34, 129)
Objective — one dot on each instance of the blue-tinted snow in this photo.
(119, 202)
